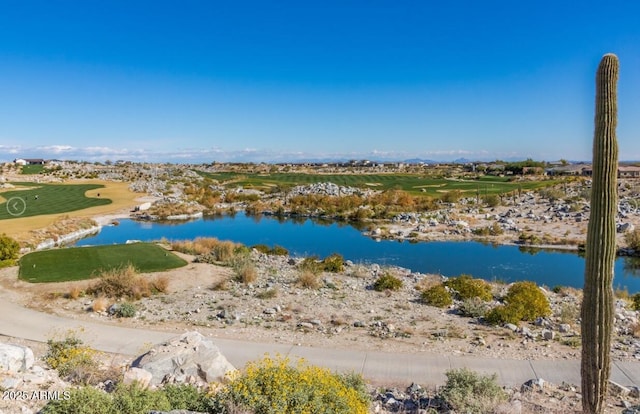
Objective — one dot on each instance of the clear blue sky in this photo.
(198, 81)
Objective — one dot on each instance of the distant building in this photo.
(624, 171)
(28, 161)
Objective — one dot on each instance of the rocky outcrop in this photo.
(190, 358)
(15, 358)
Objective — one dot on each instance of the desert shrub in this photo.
(636, 301)
(74, 361)
(186, 397)
(275, 250)
(135, 399)
(9, 250)
(452, 196)
(100, 304)
(160, 284)
(262, 248)
(474, 308)
(524, 302)
(333, 263)
(245, 269)
(278, 251)
(311, 264)
(130, 399)
(491, 200)
(126, 310)
(437, 295)
(468, 392)
(223, 251)
(267, 293)
(83, 400)
(467, 287)
(493, 230)
(75, 292)
(632, 239)
(273, 386)
(308, 279)
(387, 282)
(121, 282)
(222, 284)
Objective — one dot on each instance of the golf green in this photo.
(79, 263)
(35, 199)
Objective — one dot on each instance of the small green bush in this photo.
(467, 287)
(9, 250)
(126, 310)
(468, 392)
(636, 301)
(387, 282)
(491, 200)
(437, 295)
(632, 239)
(135, 399)
(186, 397)
(474, 308)
(84, 400)
(130, 399)
(311, 264)
(278, 251)
(333, 263)
(262, 248)
(524, 302)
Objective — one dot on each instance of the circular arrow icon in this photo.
(16, 206)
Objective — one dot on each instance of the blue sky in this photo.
(197, 81)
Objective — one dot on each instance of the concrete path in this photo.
(423, 368)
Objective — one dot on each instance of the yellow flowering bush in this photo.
(273, 386)
(71, 358)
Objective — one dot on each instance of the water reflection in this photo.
(632, 266)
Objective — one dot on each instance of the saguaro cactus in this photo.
(597, 303)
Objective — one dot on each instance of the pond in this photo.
(306, 237)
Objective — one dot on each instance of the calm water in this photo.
(307, 237)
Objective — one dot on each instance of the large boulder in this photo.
(189, 358)
(15, 358)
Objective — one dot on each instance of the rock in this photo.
(15, 358)
(564, 328)
(548, 334)
(306, 325)
(139, 375)
(188, 355)
(358, 324)
(511, 327)
(618, 389)
(536, 383)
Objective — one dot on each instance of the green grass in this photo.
(32, 169)
(79, 263)
(413, 183)
(41, 199)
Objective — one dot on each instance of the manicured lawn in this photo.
(413, 183)
(32, 169)
(39, 199)
(78, 263)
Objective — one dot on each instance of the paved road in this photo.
(423, 368)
